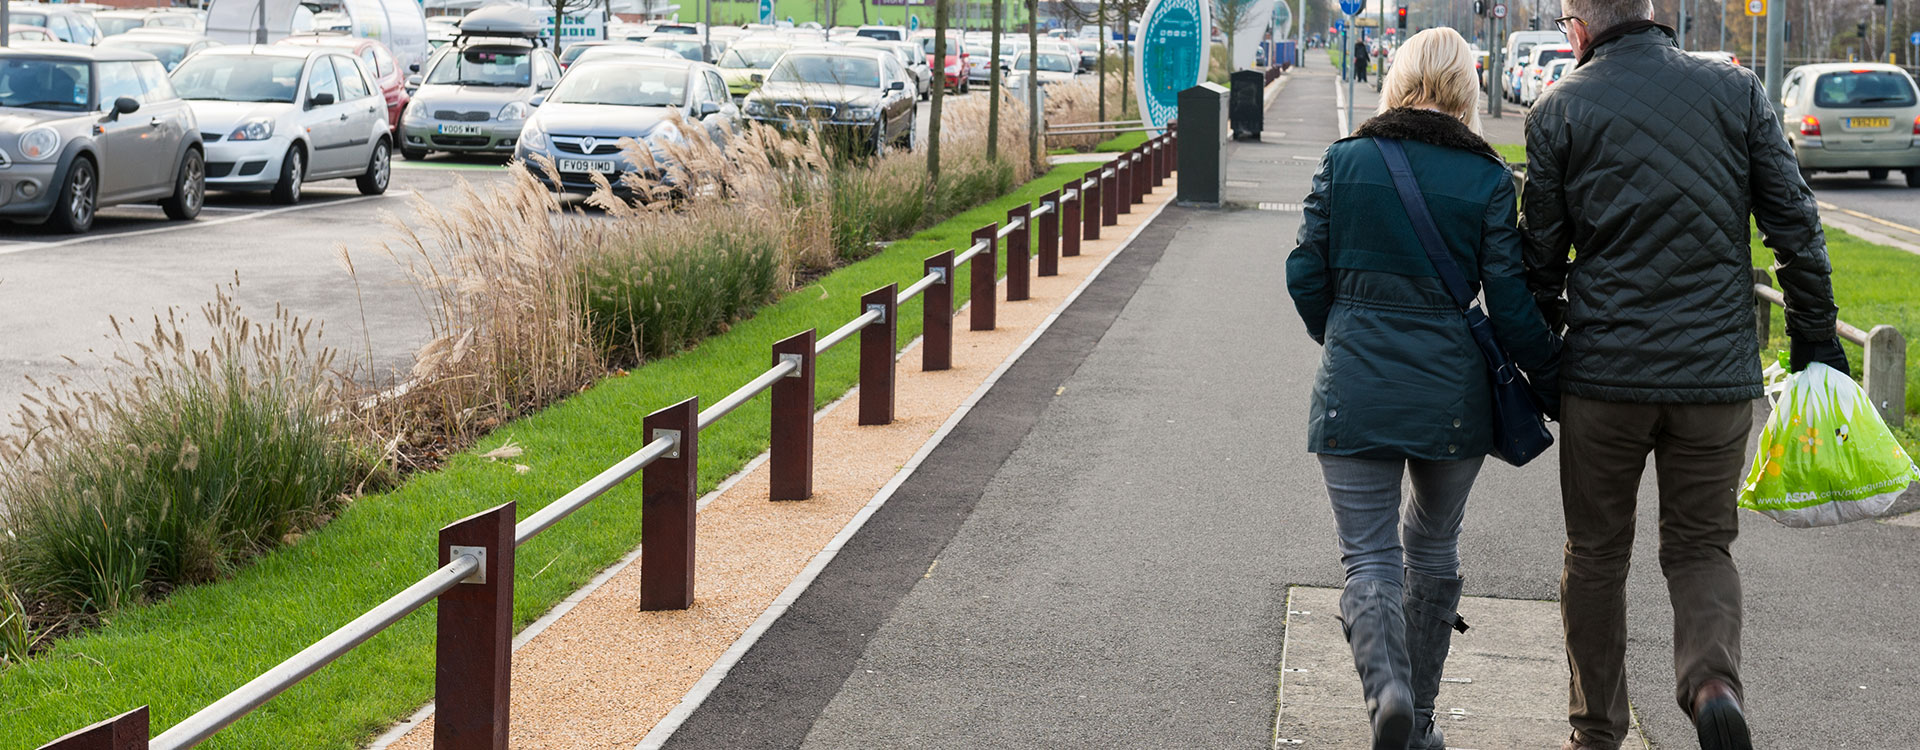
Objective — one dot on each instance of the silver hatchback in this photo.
(1843, 117)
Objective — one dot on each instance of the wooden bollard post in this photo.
(1123, 184)
(1091, 206)
(1110, 196)
(1049, 250)
(127, 731)
(1885, 366)
(1142, 174)
(985, 274)
(1159, 161)
(1070, 225)
(667, 496)
(936, 315)
(1019, 255)
(790, 457)
(1762, 309)
(877, 346)
(473, 636)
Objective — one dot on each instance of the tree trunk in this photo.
(1033, 87)
(1103, 60)
(993, 90)
(939, 94)
(1126, 64)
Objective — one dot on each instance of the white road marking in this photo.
(26, 245)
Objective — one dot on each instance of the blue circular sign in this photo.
(1351, 7)
(1173, 56)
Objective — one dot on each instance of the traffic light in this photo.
(1479, 7)
(1533, 23)
(1403, 16)
(1863, 29)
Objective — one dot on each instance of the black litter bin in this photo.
(1246, 104)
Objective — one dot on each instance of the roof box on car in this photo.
(502, 20)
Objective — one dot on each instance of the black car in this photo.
(861, 98)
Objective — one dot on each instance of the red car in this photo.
(379, 61)
(958, 64)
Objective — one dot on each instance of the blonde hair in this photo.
(1434, 69)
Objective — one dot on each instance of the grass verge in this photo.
(202, 642)
(1121, 142)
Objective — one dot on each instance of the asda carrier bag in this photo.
(1825, 458)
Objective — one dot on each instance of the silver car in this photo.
(578, 127)
(1849, 116)
(82, 128)
(475, 94)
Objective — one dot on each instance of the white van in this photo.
(1519, 50)
(399, 24)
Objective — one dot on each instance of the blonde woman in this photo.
(1402, 389)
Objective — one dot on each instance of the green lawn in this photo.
(1514, 153)
(200, 643)
(1121, 142)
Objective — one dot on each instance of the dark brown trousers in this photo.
(1698, 450)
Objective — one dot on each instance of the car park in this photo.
(749, 59)
(474, 95)
(909, 57)
(579, 124)
(65, 23)
(84, 128)
(858, 98)
(169, 46)
(113, 22)
(1844, 117)
(378, 61)
(275, 117)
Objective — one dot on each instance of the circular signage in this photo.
(1499, 10)
(1173, 56)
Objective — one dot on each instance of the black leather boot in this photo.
(1431, 620)
(1376, 630)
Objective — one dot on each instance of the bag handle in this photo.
(1423, 226)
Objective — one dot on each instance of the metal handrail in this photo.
(976, 249)
(917, 287)
(1010, 228)
(745, 393)
(846, 331)
(579, 496)
(204, 723)
(1045, 206)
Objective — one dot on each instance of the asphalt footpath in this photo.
(1100, 554)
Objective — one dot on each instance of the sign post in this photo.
(1348, 8)
(913, 22)
(766, 12)
(1172, 56)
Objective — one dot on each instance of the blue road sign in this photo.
(1915, 39)
(1352, 7)
(913, 22)
(766, 11)
(1339, 25)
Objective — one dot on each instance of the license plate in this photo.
(1857, 123)
(459, 129)
(586, 165)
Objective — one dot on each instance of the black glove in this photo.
(1828, 352)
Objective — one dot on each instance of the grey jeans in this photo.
(1379, 534)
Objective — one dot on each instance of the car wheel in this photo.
(79, 196)
(910, 141)
(1913, 178)
(1877, 174)
(413, 154)
(191, 192)
(379, 170)
(293, 169)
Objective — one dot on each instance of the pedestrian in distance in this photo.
(1643, 166)
(1360, 59)
(1402, 388)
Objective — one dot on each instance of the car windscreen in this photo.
(170, 53)
(1863, 88)
(484, 67)
(239, 78)
(1049, 63)
(687, 48)
(573, 53)
(1520, 53)
(118, 25)
(889, 35)
(31, 83)
(845, 70)
(954, 46)
(1550, 55)
(30, 19)
(622, 85)
(757, 58)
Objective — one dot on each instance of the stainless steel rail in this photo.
(1009, 229)
(198, 727)
(613, 475)
(744, 393)
(975, 249)
(916, 288)
(846, 331)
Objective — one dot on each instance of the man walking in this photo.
(1360, 60)
(1645, 163)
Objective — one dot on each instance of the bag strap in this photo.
(1423, 226)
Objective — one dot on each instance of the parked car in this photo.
(956, 67)
(113, 22)
(1053, 67)
(858, 98)
(1535, 62)
(474, 95)
(85, 128)
(1089, 50)
(169, 46)
(1848, 116)
(910, 58)
(1542, 80)
(65, 23)
(579, 124)
(574, 50)
(275, 117)
(689, 47)
(882, 33)
(626, 50)
(378, 61)
(30, 34)
(748, 60)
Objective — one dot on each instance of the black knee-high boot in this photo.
(1376, 629)
(1431, 619)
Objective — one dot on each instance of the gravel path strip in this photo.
(604, 673)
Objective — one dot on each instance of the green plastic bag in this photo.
(1825, 458)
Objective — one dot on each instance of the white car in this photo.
(1538, 82)
(275, 117)
(1054, 67)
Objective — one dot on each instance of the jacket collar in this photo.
(1627, 35)
(1425, 126)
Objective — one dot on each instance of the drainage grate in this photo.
(1285, 208)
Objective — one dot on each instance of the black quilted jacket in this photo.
(1643, 165)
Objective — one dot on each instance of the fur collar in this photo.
(1425, 126)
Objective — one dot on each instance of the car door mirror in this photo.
(897, 86)
(537, 100)
(413, 81)
(709, 109)
(125, 105)
(413, 68)
(319, 100)
(757, 78)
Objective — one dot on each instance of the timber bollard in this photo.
(877, 347)
(667, 488)
(790, 455)
(473, 636)
(936, 315)
(1070, 225)
(984, 273)
(1091, 206)
(1049, 250)
(1019, 255)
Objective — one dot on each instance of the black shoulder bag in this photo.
(1519, 428)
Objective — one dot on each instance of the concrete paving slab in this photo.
(1505, 685)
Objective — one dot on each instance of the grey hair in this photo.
(1601, 15)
